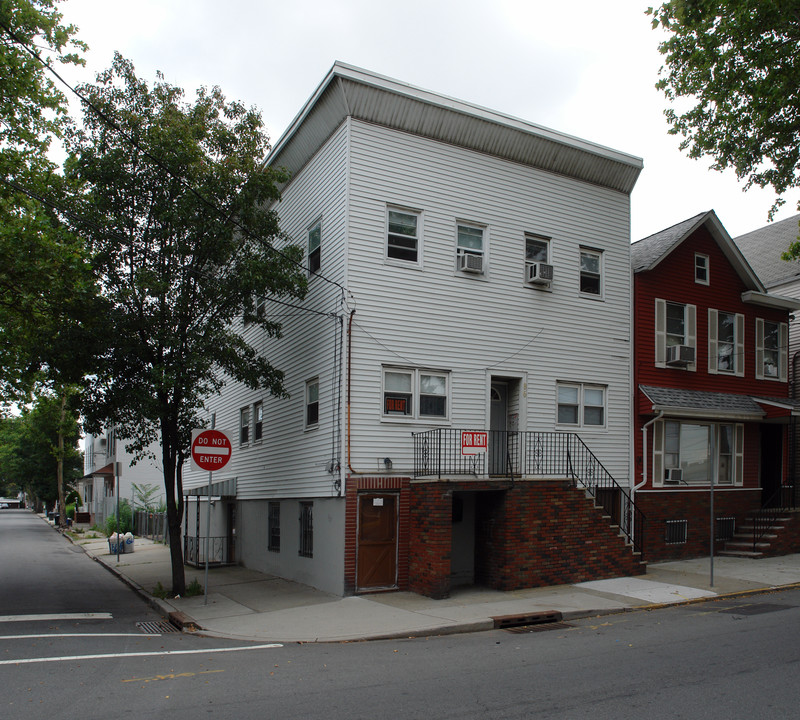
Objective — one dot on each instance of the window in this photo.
(258, 420)
(701, 269)
(581, 405)
(401, 387)
(725, 342)
(312, 403)
(537, 249)
(688, 447)
(306, 529)
(244, 426)
(314, 247)
(591, 272)
(403, 236)
(675, 325)
(274, 527)
(772, 352)
(470, 250)
(88, 494)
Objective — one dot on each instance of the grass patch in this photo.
(194, 588)
(160, 591)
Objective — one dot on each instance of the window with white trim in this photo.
(591, 272)
(701, 269)
(415, 393)
(258, 420)
(581, 405)
(403, 235)
(684, 455)
(772, 350)
(312, 403)
(244, 426)
(725, 342)
(675, 325)
(315, 247)
(470, 250)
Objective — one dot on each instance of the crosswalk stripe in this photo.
(57, 616)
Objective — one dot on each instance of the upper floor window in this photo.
(414, 393)
(470, 250)
(244, 426)
(315, 247)
(725, 342)
(258, 421)
(403, 236)
(772, 351)
(675, 335)
(312, 403)
(582, 405)
(538, 270)
(591, 272)
(701, 269)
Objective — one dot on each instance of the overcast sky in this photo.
(583, 67)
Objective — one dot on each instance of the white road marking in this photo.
(75, 635)
(72, 658)
(57, 616)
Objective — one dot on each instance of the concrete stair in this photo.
(741, 544)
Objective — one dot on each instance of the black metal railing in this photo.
(782, 501)
(194, 550)
(438, 453)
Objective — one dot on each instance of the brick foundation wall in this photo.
(693, 506)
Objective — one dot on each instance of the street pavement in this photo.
(248, 605)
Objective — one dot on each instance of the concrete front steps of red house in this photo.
(741, 544)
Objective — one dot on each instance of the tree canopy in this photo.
(736, 65)
(176, 213)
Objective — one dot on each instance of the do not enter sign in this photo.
(211, 449)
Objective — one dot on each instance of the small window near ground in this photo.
(403, 236)
(274, 527)
(244, 426)
(701, 269)
(591, 272)
(312, 403)
(315, 247)
(306, 529)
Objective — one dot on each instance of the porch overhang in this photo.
(697, 404)
(220, 488)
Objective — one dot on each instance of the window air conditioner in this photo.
(469, 262)
(680, 355)
(539, 273)
(674, 476)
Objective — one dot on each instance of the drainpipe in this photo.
(644, 463)
(349, 381)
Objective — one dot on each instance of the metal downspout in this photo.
(349, 381)
(644, 465)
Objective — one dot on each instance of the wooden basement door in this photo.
(377, 541)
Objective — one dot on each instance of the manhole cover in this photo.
(756, 609)
(156, 628)
(539, 627)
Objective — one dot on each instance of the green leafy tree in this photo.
(184, 241)
(735, 66)
(145, 495)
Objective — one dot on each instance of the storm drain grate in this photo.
(540, 627)
(504, 622)
(156, 628)
(756, 609)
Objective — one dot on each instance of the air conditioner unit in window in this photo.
(469, 262)
(674, 476)
(539, 273)
(680, 355)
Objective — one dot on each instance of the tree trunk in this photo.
(62, 506)
(168, 445)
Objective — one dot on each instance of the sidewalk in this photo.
(248, 605)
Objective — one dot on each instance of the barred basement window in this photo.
(676, 532)
(274, 527)
(725, 528)
(306, 529)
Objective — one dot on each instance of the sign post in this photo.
(211, 450)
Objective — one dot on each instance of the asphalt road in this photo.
(722, 659)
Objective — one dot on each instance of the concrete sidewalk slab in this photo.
(646, 590)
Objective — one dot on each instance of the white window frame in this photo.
(598, 254)
(689, 332)
(404, 262)
(316, 250)
(244, 426)
(737, 349)
(462, 250)
(701, 267)
(312, 390)
(258, 421)
(661, 462)
(582, 394)
(762, 362)
(414, 395)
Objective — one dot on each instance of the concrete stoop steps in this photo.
(741, 544)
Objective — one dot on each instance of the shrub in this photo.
(125, 520)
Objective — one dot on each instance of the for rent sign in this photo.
(211, 449)
(474, 442)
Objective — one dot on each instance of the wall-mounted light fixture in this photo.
(387, 463)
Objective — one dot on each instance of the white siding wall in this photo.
(479, 326)
(291, 461)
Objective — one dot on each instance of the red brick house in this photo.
(712, 407)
